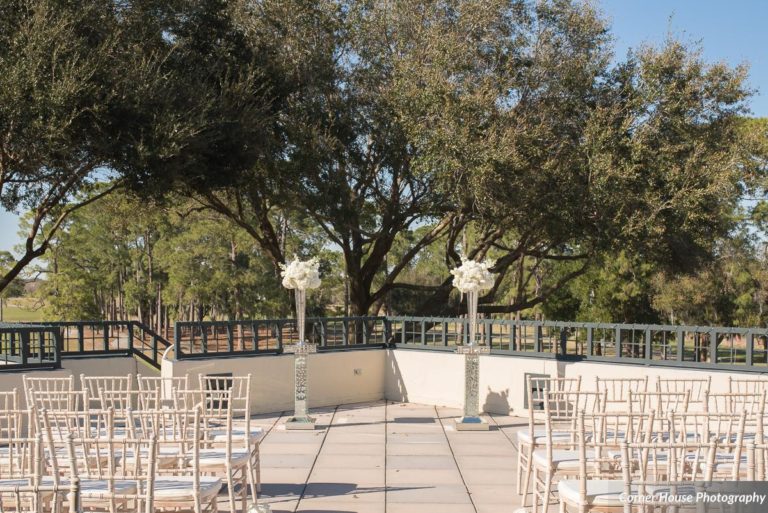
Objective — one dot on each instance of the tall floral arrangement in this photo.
(301, 275)
(470, 278)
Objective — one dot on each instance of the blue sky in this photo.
(731, 31)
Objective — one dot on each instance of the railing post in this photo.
(563, 341)
(130, 336)
(323, 334)
(279, 332)
(203, 338)
(388, 332)
(680, 341)
(750, 348)
(648, 347)
(590, 338)
(24, 346)
(177, 339)
(345, 332)
(154, 348)
(105, 336)
(444, 334)
(58, 344)
(511, 335)
(617, 341)
(230, 338)
(80, 338)
(402, 332)
(537, 337)
(712, 346)
(423, 333)
(363, 321)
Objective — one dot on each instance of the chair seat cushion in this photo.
(603, 492)
(220, 435)
(97, 487)
(562, 459)
(218, 457)
(540, 436)
(180, 487)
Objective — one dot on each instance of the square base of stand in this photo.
(300, 423)
(471, 424)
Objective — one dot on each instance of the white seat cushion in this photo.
(218, 457)
(220, 435)
(562, 459)
(19, 481)
(97, 487)
(180, 487)
(540, 436)
(599, 492)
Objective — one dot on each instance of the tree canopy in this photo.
(393, 138)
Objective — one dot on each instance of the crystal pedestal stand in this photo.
(300, 419)
(471, 420)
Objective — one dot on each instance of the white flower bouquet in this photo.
(472, 276)
(301, 275)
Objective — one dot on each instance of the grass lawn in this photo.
(21, 310)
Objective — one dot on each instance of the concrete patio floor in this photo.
(389, 457)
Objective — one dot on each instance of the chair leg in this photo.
(252, 481)
(528, 472)
(547, 489)
(256, 466)
(519, 473)
(231, 490)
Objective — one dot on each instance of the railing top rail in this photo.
(580, 324)
(283, 320)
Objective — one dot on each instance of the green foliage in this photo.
(386, 137)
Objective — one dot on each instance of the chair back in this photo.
(617, 390)
(662, 402)
(93, 385)
(696, 386)
(47, 385)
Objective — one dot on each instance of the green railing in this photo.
(233, 338)
(699, 346)
(100, 338)
(29, 347)
(744, 349)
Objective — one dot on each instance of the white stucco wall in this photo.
(332, 377)
(427, 377)
(433, 377)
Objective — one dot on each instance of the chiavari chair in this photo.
(559, 457)
(183, 486)
(534, 437)
(47, 384)
(123, 481)
(240, 396)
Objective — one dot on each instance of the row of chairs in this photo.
(556, 402)
(161, 446)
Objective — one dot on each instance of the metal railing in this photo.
(29, 347)
(100, 338)
(650, 344)
(744, 349)
(232, 338)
